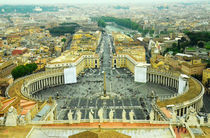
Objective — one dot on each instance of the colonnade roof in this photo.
(15, 90)
(193, 92)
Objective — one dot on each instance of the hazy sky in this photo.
(85, 1)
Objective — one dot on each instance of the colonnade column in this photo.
(37, 85)
(157, 78)
(30, 88)
(41, 82)
(50, 81)
(54, 82)
(169, 82)
(44, 84)
(57, 80)
(164, 81)
(150, 77)
(173, 83)
(60, 79)
(33, 87)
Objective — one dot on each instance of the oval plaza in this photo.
(105, 78)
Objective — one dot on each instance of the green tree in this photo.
(63, 29)
(19, 71)
(22, 70)
(63, 40)
(101, 23)
(195, 37)
(200, 44)
(15, 73)
(30, 68)
(145, 32)
(125, 22)
(34, 65)
(198, 77)
(182, 44)
(151, 32)
(174, 45)
(140, 29)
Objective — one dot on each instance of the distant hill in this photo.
(26, 9)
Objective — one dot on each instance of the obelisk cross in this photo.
(104, 84)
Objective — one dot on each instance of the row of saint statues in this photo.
(100, 115)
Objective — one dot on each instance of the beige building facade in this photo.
(128, 52)
(194, 67)
(206, 76)
(82, 53)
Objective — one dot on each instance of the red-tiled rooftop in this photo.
(29, 107)
(26, 106)
(6, 103)
(166, 112)
(26, 103)
(2, 98)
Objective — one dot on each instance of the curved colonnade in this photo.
(167, 79)
(28, 85)
(42, 81)
(193, 97)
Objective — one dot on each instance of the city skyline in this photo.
(132, 68)
(26, 2)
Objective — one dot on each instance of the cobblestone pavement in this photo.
(120, 86)
(85, 95)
